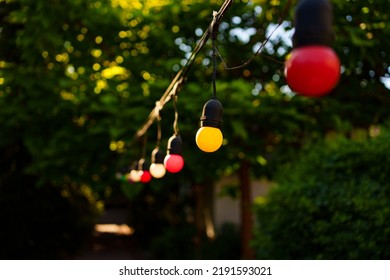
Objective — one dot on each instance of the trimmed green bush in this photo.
(331, 203)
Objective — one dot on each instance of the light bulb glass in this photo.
(209, 139)
(145, 176)
(312, 71)
(157, 170)
(173, 163)
(135, 175)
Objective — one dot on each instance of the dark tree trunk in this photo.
(204, 210)
(246, 213)
(198, 190)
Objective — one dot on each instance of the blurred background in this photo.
(295, 178)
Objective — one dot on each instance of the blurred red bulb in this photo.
(312, 71)
(173, 163)
(145, 177)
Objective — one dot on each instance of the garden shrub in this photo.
(333, 202)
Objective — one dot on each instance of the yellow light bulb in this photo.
(209, 139)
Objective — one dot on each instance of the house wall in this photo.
(227, 209)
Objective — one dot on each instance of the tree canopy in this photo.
(77, 80)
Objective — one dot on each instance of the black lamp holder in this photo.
(313, 23)
(157, 155)
(212, 113)
(175, 145)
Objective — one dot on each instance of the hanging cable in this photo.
(209, 137)
(158, 108)
(157, 168)
(214, 53)
(281, 19)
(175, 122)
(158, 140)
(174, 161)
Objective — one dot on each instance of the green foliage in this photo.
(78, 78)
(53, 150)
(330, 203)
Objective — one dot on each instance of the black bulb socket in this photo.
(212, 114)
(313, 23)
(175, 145)
(143, 165)
(158, 156)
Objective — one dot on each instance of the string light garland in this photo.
(173, 161)
(311, 16)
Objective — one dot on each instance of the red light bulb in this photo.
(173, 163)
(312, 70)
(146, 177)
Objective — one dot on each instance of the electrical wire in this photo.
(286, 9)
(214, 49)
(175, 122)
(158, 119)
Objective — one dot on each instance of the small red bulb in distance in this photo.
(145, 177)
